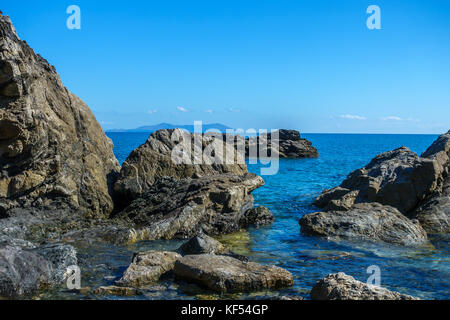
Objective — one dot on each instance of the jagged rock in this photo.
(148, 267)
(257, 217)
(434, 214)
(340, 286)
(25, 271)
(184, 208)
(370, 222)
(290, 144)
(117, 291)
(156, 158)
(398, 178)
(226, 274)
(53, 152)
(202, 244)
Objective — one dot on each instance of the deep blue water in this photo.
(423, 272)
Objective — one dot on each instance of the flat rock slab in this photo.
(227, 274)
(148, 267)
(340, 286)
(117, 291)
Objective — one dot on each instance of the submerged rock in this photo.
(148, 267)
(226, 274)
(343, 287)
(371, 222)
(290, 144)
(184, 208)
(172, 153)
(117, 291)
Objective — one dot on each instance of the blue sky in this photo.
(307, 65)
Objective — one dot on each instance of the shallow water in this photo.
(422, 272)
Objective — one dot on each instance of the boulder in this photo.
(371, 222)
(340, 286)
(226, 274)
(25, 271)
(202, 244)
(148, 267)
(257, 217)
(397, 178)
(290, 145)
(172, 153)
(53, 152)
(184, 208)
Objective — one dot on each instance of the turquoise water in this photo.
(423, 272)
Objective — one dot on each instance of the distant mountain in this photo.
(148, 129)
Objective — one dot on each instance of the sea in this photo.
(423, 272)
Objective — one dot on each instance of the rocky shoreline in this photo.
(60, 183)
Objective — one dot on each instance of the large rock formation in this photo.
(174, 208)
(340, 286)
(167, 199)
(370, 222)
(173, 153)
(362, 207)
(290, 145)
(53, 152)
(226, 274)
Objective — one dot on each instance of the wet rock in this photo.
(53, 152)
(202, 244)
(343, 287)
(257, 217)
(371, 222)
(22, 272)
(290, 144)
(117, 291)
(184, 208)
(148, 267)
(398, 178)
(60, 256)
(226, 274)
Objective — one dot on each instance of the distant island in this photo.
(216, 126)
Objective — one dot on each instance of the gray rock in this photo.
(370, 222)
(117, 291)
(343, 287)
(257, 217)
(290, 145)
(202, 244)
(226, 274)
(398, 178)
(184, 208)
(148, 267)
(154, 159)
(60, 256)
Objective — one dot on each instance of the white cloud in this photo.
(392, 118)
(209, 111)
(353, 117)
(106, 123)
(234, 110)
(182, 109)
(152, 111)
